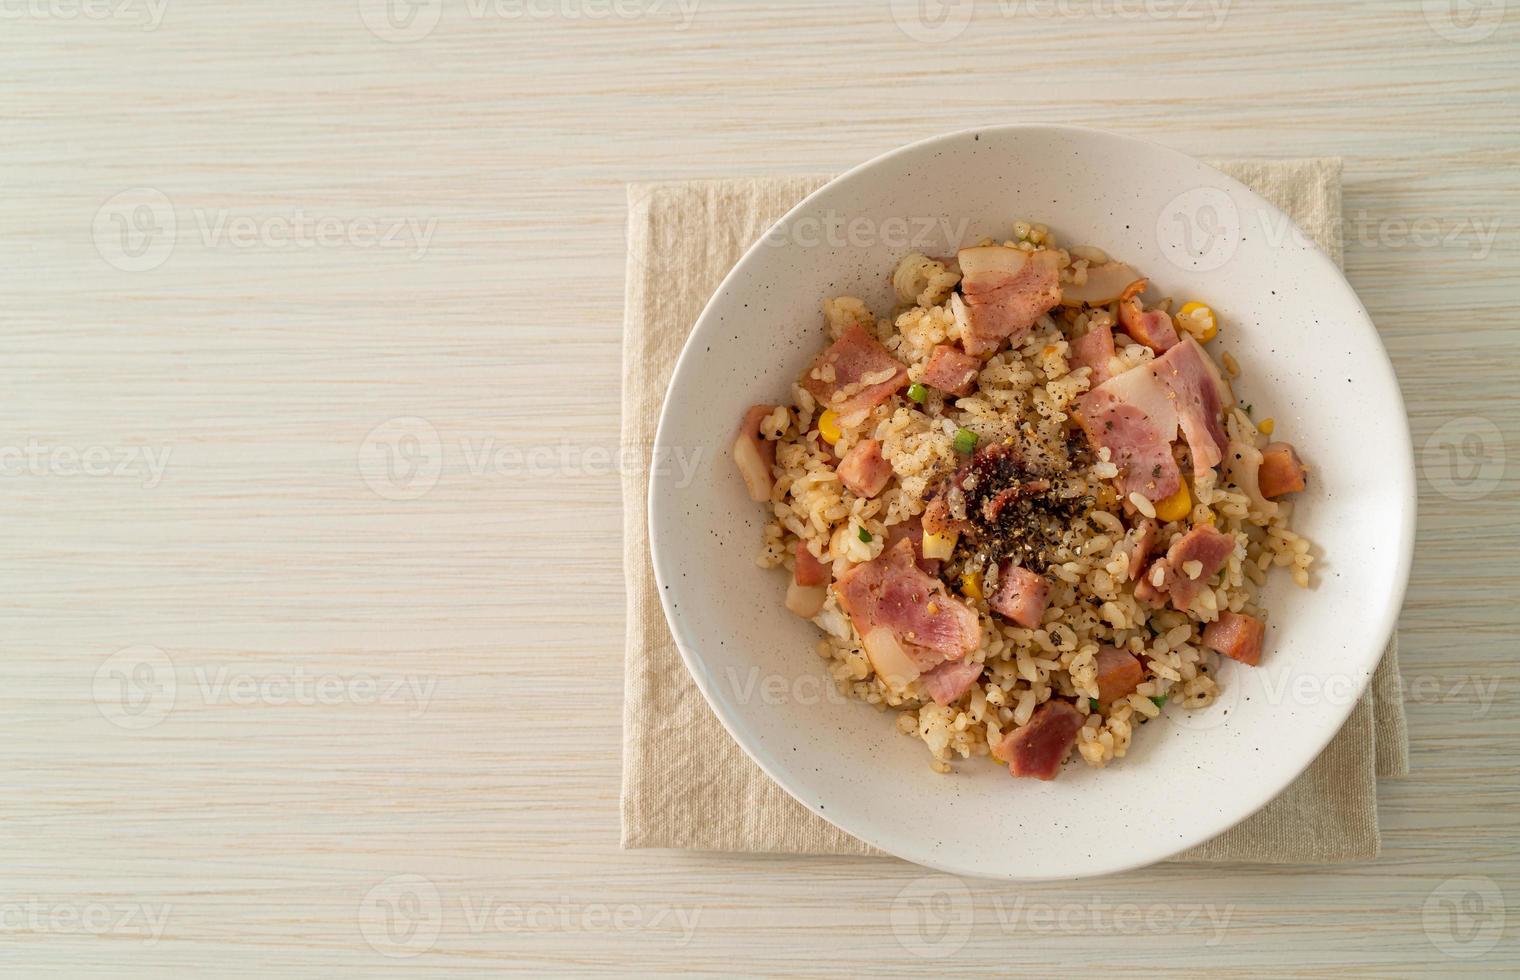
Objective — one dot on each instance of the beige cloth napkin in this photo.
(686, 784)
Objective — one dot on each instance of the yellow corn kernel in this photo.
(1177, 506)
(1266, 426)
(1198, 320)
(971, 585)
(828, 426)
(939, 546)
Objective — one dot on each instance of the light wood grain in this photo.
(263, 553)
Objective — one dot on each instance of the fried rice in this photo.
(1025, 395)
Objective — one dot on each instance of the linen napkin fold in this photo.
(686, 784)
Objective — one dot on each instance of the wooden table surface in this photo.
(313, 601)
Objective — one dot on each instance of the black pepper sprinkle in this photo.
(1020, 504)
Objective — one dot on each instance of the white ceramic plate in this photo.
(1311, 359)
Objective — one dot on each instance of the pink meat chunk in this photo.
(864, 469)
(1139, 446)
(1237, 636)
(1119, 673)
(1022, 595)
(1006, 290)
(808, 570)
(1136, 415)
(1205, 544)
(912, 530)
(1153, 328)
(1142, 538)
(1095, 349)
(948, 682)
(853, 357)
(951, 371)
(939, 519)
(1201, 395)
(1281, 471)
(893, 592)
(1038, 748)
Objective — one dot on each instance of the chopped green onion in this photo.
(965, 441)
(1159, 700)
(865, 535)
(1092, 703)
(917, 392)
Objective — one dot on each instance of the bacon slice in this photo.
(912, 531)
(1136, 415)
(864, 470)
(1281, 472)
(1119, 673)
(755, 457)
(1095, 349)
(1205, 544)
(1201, 394)
(948, 682)
(1038, 748)
(951, 371)
(1152, 328)
(1022, 595)
(856, 355)
(1237, 636)
(809, 587)
(939, 519)
(1141, 539)
(1006, 290)
(893, 594)
(808, 570)
(1138, 444)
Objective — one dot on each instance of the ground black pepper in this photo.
(1019, 505)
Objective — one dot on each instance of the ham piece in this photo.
(912, 530)
(1204, 544)
(847, 363)
(892, 602)
(809, 570)
(1136, 416)
(864, 470)
(1004, 291)
(1280, 472)
(1039, 747)
(1093, 350)
(1152, 328)
(1119, 673)
(1237, 636)
(951, 371)
(1022, 595)
(1140, 540)
(948, 682)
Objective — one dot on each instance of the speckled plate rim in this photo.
(1402, 477)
